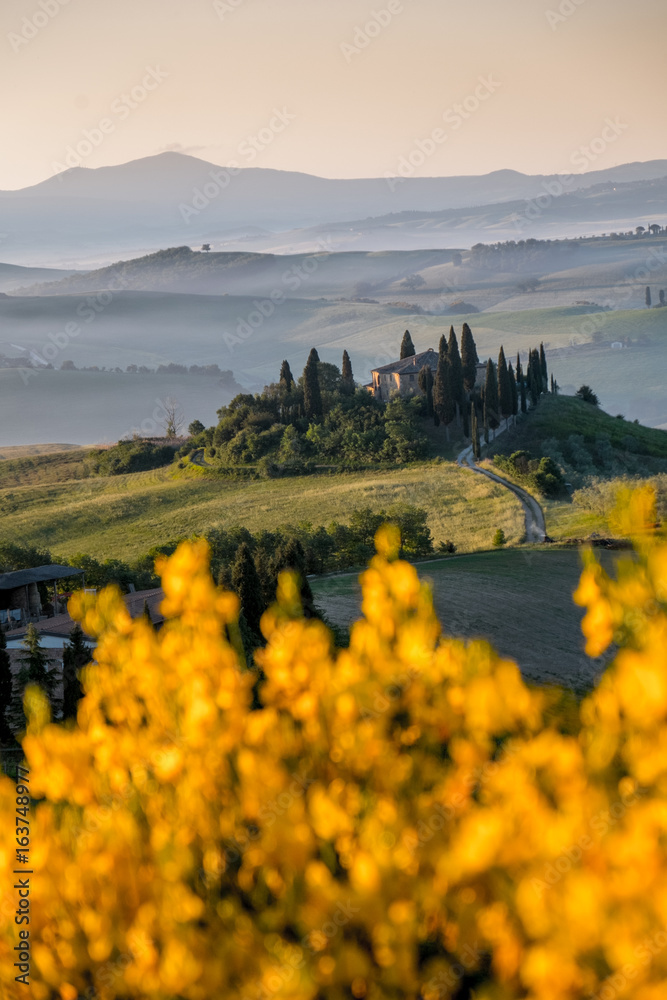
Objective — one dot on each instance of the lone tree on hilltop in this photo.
(491, 402)
(648, 297)
(248, 587)
(586, 393)
(469, 358)
(347, 378)
(76, 655)
(407, 347)
(286, 380)
(425, 381)
(312, 397)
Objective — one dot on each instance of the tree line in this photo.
(321, 417)
(453, 396)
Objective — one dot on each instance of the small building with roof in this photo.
(402, 376)
(21, 592)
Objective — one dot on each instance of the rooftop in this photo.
(62, 625)
(411, 364)
(36, 574)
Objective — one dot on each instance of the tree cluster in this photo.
(321, 418)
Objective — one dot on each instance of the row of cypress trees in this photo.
(452, 394)
(312, 392)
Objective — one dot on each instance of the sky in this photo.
(338, 88)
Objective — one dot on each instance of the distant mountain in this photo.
(175, 199)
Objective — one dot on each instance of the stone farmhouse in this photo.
(403, 376)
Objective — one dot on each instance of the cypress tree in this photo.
(293, 557)
(247, 585)
(491, 403)
(442, 346)
(648, 297)
(534, 377)
(407, 347)
(76, 655)
(476, 448)
(455, 371)
(425, 381)
(524, 402)
(347, 378)
(34, 670)
(312, 397)
(443, 403)
(469, 358)
(504, 386)
(286, 377)
(514, 391)
(543, 369)
(6, 687)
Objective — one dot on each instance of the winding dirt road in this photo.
(536, 530)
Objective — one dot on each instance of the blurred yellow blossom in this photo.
(404, 818)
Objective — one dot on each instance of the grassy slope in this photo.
(559, 417)
(125, 516)
(520, 600)
(33, 450)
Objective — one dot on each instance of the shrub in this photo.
(499, 539)
(401, 818)
(129, 456)
(586, 393)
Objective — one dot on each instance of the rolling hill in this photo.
(84, 215)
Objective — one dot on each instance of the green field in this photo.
(519, 600)
(124, 516)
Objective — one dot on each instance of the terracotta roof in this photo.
(411, 364)
(63, 624)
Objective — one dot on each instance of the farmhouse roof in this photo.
(62, 625)
(36, 574)
(411, 364)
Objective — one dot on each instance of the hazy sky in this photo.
(355, 99)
